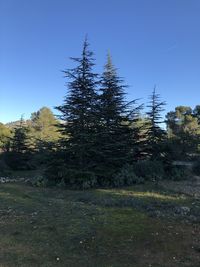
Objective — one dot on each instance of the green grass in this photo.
(55, 227)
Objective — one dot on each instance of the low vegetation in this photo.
(144, 225)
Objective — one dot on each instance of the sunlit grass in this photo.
(144, 194)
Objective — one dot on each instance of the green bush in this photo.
(4, 168)
(59, 174)
(126, 177)
(149, 170)
(55, 172)
(18, 161)
(40, 159)
(178, 173)
(196, 167)
(79, 179)
(39, 181)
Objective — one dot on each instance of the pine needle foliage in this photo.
(155, 133)
(78, 113)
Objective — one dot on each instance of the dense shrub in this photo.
(55, 172)
(4, 168)
(38, 181)
(126, 177)
(79, 179)
(196, 167)
(178, 173)
(18, 161)
(59, 174)
(40, 159)
(149, 170)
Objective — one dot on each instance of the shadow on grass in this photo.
(90, 228)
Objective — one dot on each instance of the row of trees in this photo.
(102, 132)
(22, 142)
(98, 132)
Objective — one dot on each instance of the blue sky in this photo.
(151, 42)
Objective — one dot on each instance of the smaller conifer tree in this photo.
(155, 133)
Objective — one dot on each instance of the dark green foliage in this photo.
(19, 141)
(117, 127)
(184, 131)
(79, 179)
(172, 150)
(149, 170)
(18, 161)
(4, 168)
(39, 181)
(97, 136)
(178, 173)
(42, 158)
(59, 174)
(196, 167)
(19, 156)
(113, 129)
(126, 176)
(177, 120)
(155, 134)
(78, 114)
(55, 170)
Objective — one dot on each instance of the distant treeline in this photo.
(100, 139)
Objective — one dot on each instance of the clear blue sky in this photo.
(151, 41)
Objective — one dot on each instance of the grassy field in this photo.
(135, 226)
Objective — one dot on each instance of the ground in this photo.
(140, 226)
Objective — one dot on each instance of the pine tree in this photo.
(19, 156)
(78, 113)
(20, 138)
(155, 134)
(44, 129)
(116, 136)
(183, 132)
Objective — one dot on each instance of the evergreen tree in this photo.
(18, 158)
(139, 136)
(20, 138)
(155, 134)
(116, 136)
(78, 114)
(183, 130)
(44, 129)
